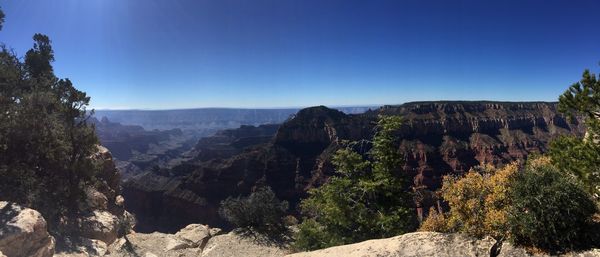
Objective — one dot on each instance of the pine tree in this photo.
(368, 198)
(45, 141)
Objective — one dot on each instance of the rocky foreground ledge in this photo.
(430, 244)
(23, 233)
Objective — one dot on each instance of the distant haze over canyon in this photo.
(207, 120)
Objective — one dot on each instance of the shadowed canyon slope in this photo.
(437, 138)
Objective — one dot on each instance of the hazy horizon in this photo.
(184, 54)
(328, 106)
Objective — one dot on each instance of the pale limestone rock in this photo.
(509, 250)
(431, 244)
(156, 243)
(232, 245)
(23, 232)
(410, 245)
(590, 253)
(174, 243)
(196, 234)
(119, 201)
(101, 225)
(93, 247)
(117, 246)
(215, 231)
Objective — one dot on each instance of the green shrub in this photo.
(312, 235)
(259, 213)
(550, 210)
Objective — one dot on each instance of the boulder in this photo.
(412, 244)
(215, 231)
(119, 201)
(196, 234)
(95, 199)
(23, 232)
(100, 225)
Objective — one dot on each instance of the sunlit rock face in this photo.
(436, 138)
(23, 232)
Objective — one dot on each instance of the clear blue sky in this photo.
(162, 54)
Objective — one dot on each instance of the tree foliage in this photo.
(582, 98)
(367, 199)
(1, 19)
(45, 142)
(581, 156)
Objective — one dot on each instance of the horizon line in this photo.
(303, 107)
(243, 108)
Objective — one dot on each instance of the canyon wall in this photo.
(436, 138)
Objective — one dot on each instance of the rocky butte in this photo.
(437, 138)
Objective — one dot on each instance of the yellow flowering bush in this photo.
(478, 202)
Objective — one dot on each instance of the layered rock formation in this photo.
(229, 142)
(136, 149)
(437, 139)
